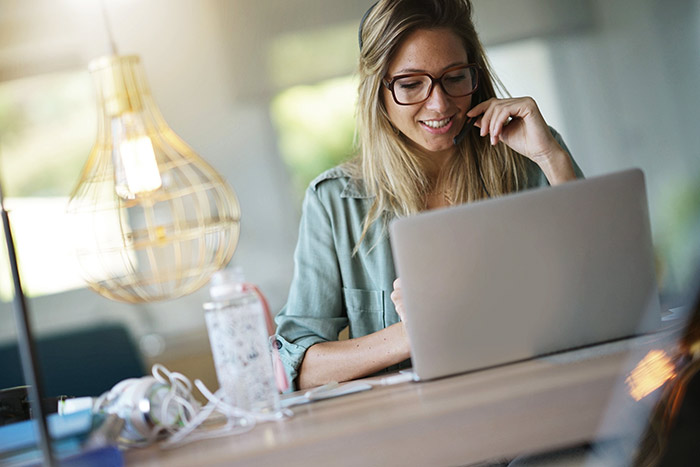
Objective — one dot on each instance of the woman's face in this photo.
(433, 124)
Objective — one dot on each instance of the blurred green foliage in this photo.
(47, 127)
(679, 242)
(315, 126)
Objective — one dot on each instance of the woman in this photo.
(431, 134)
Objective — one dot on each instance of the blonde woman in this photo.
(432, 133)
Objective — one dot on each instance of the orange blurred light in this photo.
(650, 374)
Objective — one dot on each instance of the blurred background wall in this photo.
(264, 91)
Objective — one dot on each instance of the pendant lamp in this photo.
(151, 219)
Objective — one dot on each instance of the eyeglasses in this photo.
(415, 88)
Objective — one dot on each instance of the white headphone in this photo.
(150, 406)
(160, 406)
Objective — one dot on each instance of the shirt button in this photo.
(278, 344)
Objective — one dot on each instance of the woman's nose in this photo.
(438, 99)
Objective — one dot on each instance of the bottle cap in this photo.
(227, 283)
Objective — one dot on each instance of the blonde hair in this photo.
(393, 172)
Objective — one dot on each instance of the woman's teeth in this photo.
(437, 123)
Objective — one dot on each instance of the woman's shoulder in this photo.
(333, 176)
(339, 181)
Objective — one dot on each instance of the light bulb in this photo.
(136, 168)
(151, 219)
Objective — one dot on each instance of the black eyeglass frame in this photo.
(390, 84)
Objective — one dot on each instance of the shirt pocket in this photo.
(365, 310)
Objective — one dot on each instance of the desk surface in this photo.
(501, 412)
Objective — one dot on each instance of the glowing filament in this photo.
(140, 167)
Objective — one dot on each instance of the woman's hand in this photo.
(518, 123)
(396, 298)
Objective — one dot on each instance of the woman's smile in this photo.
(438, 127)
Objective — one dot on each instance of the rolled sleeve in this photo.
(292, 354)
(314, 311)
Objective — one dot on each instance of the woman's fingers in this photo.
(396, 299)
(486, 117)
(496, 114)
(499, 119)
(490, 120)
(480, 108)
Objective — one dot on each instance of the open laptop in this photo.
(528, 274)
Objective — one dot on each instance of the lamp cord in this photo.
(108, 27)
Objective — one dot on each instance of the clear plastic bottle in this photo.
(240, 344)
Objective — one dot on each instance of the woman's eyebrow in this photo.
(409, 70)
(416, 70)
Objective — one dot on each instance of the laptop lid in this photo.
(528, 274)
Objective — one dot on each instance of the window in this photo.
(47, 127)
(525, 69)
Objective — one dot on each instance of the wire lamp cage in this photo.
(151, 219)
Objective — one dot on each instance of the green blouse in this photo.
(332, 288)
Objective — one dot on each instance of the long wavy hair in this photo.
(390, 168)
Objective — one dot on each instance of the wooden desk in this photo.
(501, 412)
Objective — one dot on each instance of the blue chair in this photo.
(84, 362)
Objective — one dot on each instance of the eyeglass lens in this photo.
(416, 88)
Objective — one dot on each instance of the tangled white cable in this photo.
(161, 407)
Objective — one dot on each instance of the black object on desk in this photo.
(15, 405)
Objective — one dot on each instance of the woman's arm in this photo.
(321, 301)
(519, 124)
(354, 358)
(558, 167)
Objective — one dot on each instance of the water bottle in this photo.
(238, 334)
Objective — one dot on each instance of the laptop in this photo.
(529, 274)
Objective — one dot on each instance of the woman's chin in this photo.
(441, 148)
